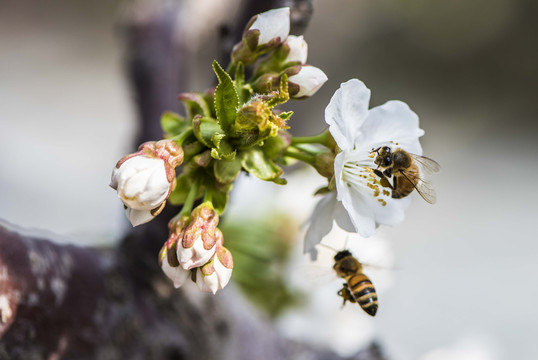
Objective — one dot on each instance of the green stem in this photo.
(307, 158)
(324, 139)
(189, 202)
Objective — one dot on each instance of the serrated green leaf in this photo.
(256, 163)
(227, 171)
(223, 148)
(204, 129)
(240, 81)
(226, 98)
(285, 115)
(195, 103)
(173, 124)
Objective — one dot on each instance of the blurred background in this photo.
(460, 283)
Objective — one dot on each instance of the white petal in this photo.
(142, 183)
(177, 274)
(310, 79)
(347, 111)
(201, 281)
(342, 217)
(298, 49)
(223, 273)
(320, 223)
(194, 256)
(272, 24)
(361, 213)
(138, 217)
(393, 121)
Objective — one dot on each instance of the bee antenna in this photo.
(345, 243)
(328, 247)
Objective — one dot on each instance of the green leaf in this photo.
(173, 124)
(256, 163)
(195, 103)
(204, 129)
(223, 148)
(227, 171)
(226, 98)
(285, 115)
(240, 81)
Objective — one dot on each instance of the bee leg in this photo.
(383, 179)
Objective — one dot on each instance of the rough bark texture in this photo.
(68, 302)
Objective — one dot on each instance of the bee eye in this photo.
(386, 149)
(387, 161)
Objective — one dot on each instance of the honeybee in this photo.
(409, 172)
(358, 288)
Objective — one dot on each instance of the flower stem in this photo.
(324, 139)
(299, 155)
(189, 202)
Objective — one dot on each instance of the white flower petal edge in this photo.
(298, 49)
(347, 111)
(177, 274)
(272, 24)
(357, 131)
(138, 217)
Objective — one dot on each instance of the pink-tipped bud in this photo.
(198, 241)
(145, 179)
(215, 274)
(304, 80)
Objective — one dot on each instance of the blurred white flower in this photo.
(297, 49)
(273, 24)
(360, 203)
(305, 80)
(214, 275)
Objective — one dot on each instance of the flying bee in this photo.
(409, 172)
(358, 288)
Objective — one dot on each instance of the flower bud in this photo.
(215, 274)
(296, 49)
(198, 241)
(324, 164)
(170, 264)
(145, 179)
(304, 80)
(263, 32)
(272, 26)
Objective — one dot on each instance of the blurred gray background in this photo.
(468, 68)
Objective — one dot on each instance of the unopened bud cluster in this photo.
(195, 249)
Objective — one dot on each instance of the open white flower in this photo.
(360, 204)
(273, 24)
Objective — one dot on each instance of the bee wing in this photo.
(427, 166)
(423, 186)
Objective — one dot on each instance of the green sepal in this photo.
(275, 146)
(226, 99)
(222, 148)
(227, 171)
(256, 163)
(204, 129)
(195, 103)
(322, 191)
(173, 124)
(285, 115)
(283, 93)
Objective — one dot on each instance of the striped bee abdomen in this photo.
(363, 292)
